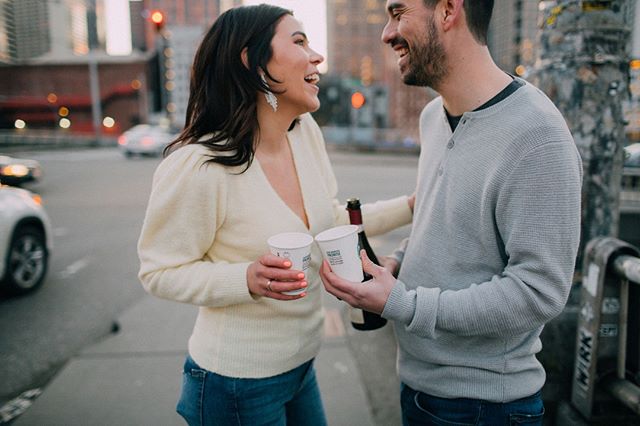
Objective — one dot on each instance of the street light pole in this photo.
(96, 104)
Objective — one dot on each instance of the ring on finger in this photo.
(269, 285)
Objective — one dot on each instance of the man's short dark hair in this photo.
(478, 14)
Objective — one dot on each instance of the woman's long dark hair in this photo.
(222, 94)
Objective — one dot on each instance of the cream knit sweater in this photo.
(205, 224)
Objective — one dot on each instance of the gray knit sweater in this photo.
(492, 249)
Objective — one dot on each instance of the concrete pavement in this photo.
(134, 377)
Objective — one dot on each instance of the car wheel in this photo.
(27, 261)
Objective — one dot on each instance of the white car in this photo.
(145, 139)
(16, 171)
(25, 241)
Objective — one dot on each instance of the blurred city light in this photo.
(65, 123)
(170, 85)
(108, 122)
(19, 124)
(52, 98)
(136, 84)
(171, 107)
(63, 111)
(521, 70)
(357, 100)
(16, 170)
(36, 199)
(157, 18)
(635, 64)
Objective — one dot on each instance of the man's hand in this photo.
(391, 264)
(370, 295)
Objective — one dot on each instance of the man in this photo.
(495, 233)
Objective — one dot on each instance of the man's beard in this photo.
(427, 62)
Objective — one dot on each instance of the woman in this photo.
(249, 164)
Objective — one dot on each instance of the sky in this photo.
(313, 15)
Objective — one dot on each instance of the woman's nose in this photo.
(316, 58)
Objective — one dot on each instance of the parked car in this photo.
(145, 139)
(16, 171)
(25, 241)
(632, 155)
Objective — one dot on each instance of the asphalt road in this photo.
(96, 200)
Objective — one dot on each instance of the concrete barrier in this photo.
(46, 139)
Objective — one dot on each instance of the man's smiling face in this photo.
(412, 33)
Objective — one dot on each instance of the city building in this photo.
(353, 34)
(49, 48)
(35, 28)
(176, 40)
(228, 4)
(24, 29)
(54, 94)
(182, 43)
(356, 53)
(513, 35)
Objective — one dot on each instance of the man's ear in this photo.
(244, 56)
(451, 12)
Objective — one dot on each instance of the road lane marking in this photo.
(74, 268)
(18, 406)
(60, 232)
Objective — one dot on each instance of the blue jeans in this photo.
(422, 409)
(291, 398)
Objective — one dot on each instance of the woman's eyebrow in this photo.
(299, 33)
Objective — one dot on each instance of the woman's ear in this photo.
(244, 56)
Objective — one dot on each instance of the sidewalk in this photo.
(134, 376)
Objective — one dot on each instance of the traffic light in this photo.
(357, 100)
(157, 18)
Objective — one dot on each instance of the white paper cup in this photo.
(339, 247)
(295, 246)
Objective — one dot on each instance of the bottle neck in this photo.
(355, 217)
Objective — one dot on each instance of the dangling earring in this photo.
(269, 96)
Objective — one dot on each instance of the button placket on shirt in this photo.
(450, 145)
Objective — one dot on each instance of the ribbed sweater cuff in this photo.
(235, 289)
(415, 309)
(400, 305)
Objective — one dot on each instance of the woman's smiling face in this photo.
(295, 66)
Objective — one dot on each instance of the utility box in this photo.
(607, 338)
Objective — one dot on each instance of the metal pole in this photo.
(622, 328)
(96, 104)
(625, 392)
(628, 266)
(583, 67)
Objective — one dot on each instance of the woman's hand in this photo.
(270, 276)
(412, 201)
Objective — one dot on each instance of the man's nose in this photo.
(388, 33)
